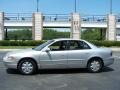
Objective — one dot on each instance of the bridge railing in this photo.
(28, 17)
(57, 17)
(18, 17)
(94, 18)
(118, 18)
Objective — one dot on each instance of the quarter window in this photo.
(83, 45)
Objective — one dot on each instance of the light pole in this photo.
(75, 6)
(111, 6)
(37, 5)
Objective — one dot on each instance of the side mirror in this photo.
(47, 50)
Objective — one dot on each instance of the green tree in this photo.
(52, 34)
(19, 34)
(91, 34)
(27, 34)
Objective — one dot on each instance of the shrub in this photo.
(35, 43)
(106, 43)
(20, 43)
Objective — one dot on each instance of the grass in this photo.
(15, 47)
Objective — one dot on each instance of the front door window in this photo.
(58, 46)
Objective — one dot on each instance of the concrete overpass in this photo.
(75, 21)
(28, 24)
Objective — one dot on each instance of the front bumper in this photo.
(10, 64)
(108, 61)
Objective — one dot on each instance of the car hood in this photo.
(20, 51)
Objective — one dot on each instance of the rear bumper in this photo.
(108, 61)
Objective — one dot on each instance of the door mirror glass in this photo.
(47, 50)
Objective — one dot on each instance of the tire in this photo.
(27, 67)
(95, 65)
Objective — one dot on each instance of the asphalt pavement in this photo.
(69, 79)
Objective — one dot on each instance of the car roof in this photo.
(65, 39)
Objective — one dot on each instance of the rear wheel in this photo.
(27, 67)
(95, 65)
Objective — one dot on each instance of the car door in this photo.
(56, 57)
(77, 54)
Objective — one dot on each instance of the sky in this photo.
(98, 7)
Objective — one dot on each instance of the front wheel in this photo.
(27, 67)
(95, 65)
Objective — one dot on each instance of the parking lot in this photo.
(69, 79)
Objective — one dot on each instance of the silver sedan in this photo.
(60, 54)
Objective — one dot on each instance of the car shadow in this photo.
(107, 69)
(71, 71)
(61, 71)
(12, 71)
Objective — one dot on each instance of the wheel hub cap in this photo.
(95, 66)
(27, 67)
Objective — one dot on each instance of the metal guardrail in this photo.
(118, 18)
(94, 18)
(18, 17)
(56, 17)
(28, 17)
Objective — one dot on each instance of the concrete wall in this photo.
(37, 28)
(111, 28)
(75, 26)
(1, 25)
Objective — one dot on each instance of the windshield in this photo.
(40, 47)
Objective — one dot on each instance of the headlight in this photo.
(9, 58)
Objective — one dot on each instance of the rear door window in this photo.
(78, 45)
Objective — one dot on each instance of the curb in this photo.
(115, 49)
(9, 49)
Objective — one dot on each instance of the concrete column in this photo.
(75, 26)
(37, 32)
(1, 26)
(111, 28)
